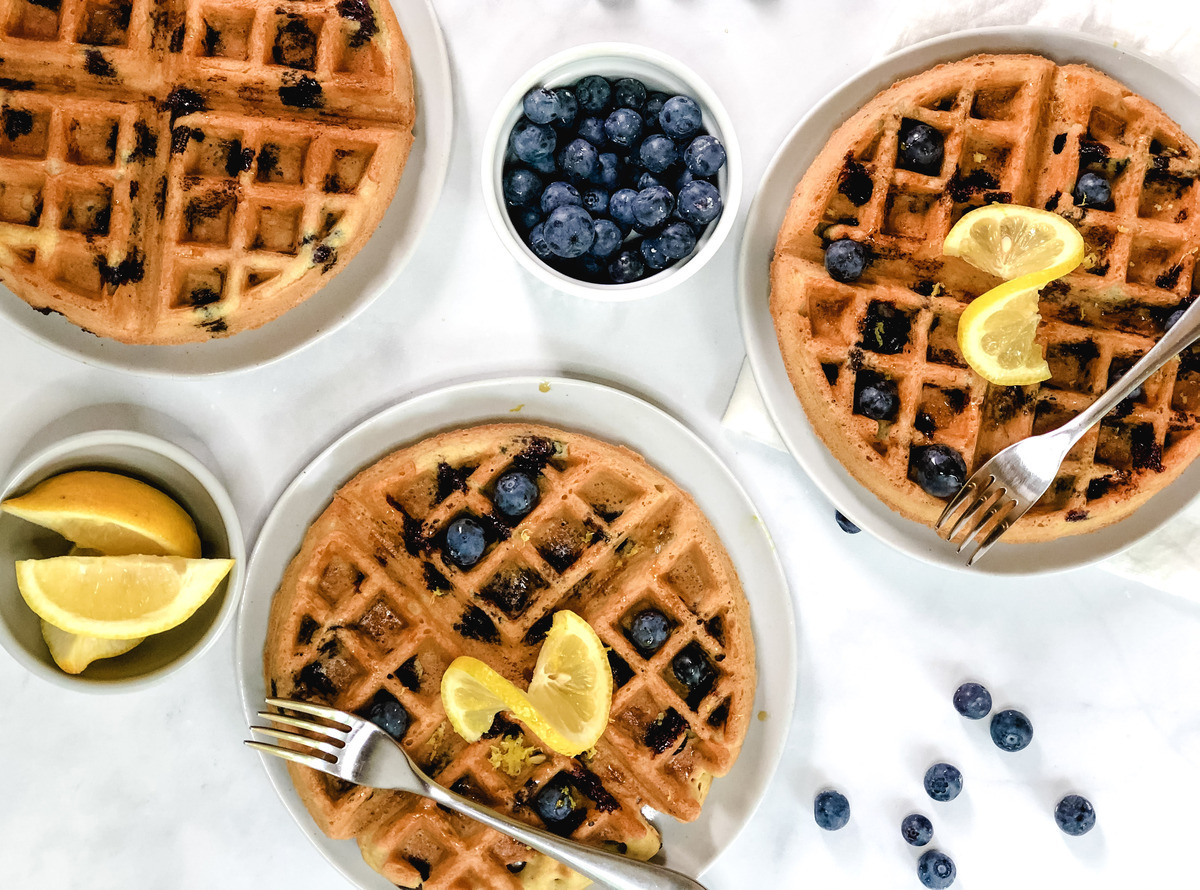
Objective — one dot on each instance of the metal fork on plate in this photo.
(358, 751)
(1002, 490)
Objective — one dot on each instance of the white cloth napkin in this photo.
(1170, 558)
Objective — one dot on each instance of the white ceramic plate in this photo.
(366, 277)
(609, 414)
(1176, 96)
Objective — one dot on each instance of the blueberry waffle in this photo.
(866, 307)
(466, 544)
(176, 170)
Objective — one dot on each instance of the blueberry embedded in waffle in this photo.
(391, 585)
(177, 170)
(871, 349)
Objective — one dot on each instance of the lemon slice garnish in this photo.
(118, 597)
(569, 696)
(74, 652)
(1010, 241)
(996, 335)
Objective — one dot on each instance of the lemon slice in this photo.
(110, 513)
(1010, 241)
(74, 652)
(118, 597)
(996, 335)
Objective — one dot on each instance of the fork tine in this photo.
(333, 749)
(998, 512)
(332, 714)
(328, 732)
(1001, 527)
(986, 498)
(295, 756)
(969, 488)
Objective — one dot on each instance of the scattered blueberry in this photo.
(691, 668)
(537, 242)
(652, 206)
(386, 712)
(465, 542)
(592, 129)
(568, 230)
(878, 399)
(1093, 190)
(652, 253)
(831, 810)
(680, 117)
(1075, 815)
(580, 159)
(541, 105)
(846, 259)
(554, 803)
(943, 781)
(649, 630)
(1011, 730)
(568, 107)
(593, 93)
(677, 241)
(560, 194)
(515, 494)
(972, 700)
(657, 153)
(936, 870)
(705, 155)
(940, 470)
(628, 92)
(620, 207)
(623, 127)
(627, 266)
(845, 524)
(607, 240)
(1173, 318)
(532, 142)
(921, 148)
(607, 171)
(916, 829)
(521, 187)
(699, 202)
(595, 201)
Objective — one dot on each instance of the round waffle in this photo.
(372, 610)
(176, 171)
(1020, 129)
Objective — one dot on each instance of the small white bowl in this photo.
(173, 471)
(658, 72)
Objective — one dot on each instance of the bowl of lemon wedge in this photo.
(121, 560)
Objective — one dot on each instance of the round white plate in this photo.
(1177, 97)
(616, 417)
(365, 278)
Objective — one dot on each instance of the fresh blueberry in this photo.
(515, 494)
(936, 870)
(885, 329)
(532, 142)
(846, 259)
(521, 187)
(568, 230)
(593, 93)
(940, 470)
(537, 242)
(592, 129)
(1075, 815)
(680, 117)
(620, 207)
(525, 218)
(541, 105)
(699, 202)
(555, 803)
(629, 93)
(691, 668)
(568, 107)
(1011, 730)
(652, 253)
(595, 201)
(607, 171)
(845, 524)
(653, 107)
(677, 241)
(1173, 318)
(649, 630)
(608, 238)
(921, 148)
(705, 155)
(647, 180)
(877, 399)
(627, 266)
(657, 153)
(916, 829)
(972, 700)
(831, 810)
(1093, 190)
(545, 165)
(588, 267)
(943, 781)
(560, 194)
(652, 206)
(623, 127)
(386, 712)
(580, 159)
(465, 542)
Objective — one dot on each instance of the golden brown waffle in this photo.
(1020, 129)
(371, 606)
(176, 170)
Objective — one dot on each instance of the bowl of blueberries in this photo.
(611, 171)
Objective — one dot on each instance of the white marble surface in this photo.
(155, 790)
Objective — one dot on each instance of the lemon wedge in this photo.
(1010, 241)
(109, 513)
(996, 335)
(74, 652)
(118, 597)
(569, 696)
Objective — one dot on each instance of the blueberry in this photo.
(680, 117)
(846, 259)
(653, 107)
(1173, 318)
(627, 266)
(620, 207)
(515, 494)
(537, 242)
(885, 328)
(541, 105)
(555, 803)
(691, 668)
(532, 142)
(649, 630)
(877, 399)
(939, 470)
(1075, 815)
(921, 148)
(916, 829)
(465, 542)
(1093, 190)
(595, 201)
(607, 171)
(657, 153)
(568, 230)
(593, 93)
(705, 155)
(831, 810)
(628, 92)
(936, 870)
(592, 129)
(545, 165)
(608, 238)
(386, 712)
(623, 127)
(568, 107)
(648, 180)
(587, 268)
(699, 202)
(521, 187)
(653, 254)
(972, 700)
(677, 241)
(1011, 730)
(580, 159)
(525, 218)
(943, 781)
(845, 524)
(560, 194)
(652, 206)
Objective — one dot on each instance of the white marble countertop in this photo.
(154, 789)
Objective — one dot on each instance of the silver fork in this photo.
(358, 751)
(1002, 490)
